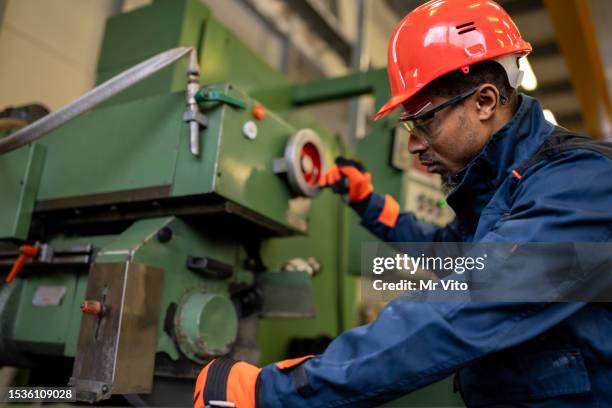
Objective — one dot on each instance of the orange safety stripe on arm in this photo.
(390, 212)
(285, 364)
(242, 384)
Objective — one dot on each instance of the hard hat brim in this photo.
(393, 103)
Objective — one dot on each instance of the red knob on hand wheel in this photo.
(25, 252)
(91, 307)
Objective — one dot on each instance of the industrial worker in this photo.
(453, 69)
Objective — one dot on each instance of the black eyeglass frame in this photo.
(431, 113)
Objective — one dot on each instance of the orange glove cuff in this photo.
(390, 212)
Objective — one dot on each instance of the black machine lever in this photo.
(211, 268)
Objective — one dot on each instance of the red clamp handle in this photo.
(25, 252)
(92, 307)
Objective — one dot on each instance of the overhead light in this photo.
(549, 116)
(530, 82)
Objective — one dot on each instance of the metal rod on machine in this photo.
(192, 116)
(92, 98)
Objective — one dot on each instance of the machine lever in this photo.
(207, 95)
(26, 252)
(94, 308)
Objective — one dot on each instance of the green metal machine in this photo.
(146, 252)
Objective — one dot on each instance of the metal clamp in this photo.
(207, 95)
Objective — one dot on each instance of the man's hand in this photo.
(348, 176)
(224, 382)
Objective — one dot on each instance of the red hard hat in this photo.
(442, 36)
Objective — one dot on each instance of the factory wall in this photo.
(49, 49)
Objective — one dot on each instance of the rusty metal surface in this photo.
(116, 352)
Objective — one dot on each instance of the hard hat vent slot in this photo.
(466, 27)
(467, 30)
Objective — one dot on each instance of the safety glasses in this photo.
(411, 121)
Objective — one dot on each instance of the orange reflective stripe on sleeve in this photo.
(241, 384)
(390, 212)
(285, 364)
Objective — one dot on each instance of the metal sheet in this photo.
(116, 352)
(113, 149)
(287, 295)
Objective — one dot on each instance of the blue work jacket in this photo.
(504, 354)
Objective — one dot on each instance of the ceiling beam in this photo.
(325, 24)
(513, 7)
(403, 7)
(575, 32)
(544, 50)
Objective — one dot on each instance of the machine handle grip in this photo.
(25, 252)
(209, 95)
(93, 307)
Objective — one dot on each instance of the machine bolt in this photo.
(105, 388)
(164, 235)
(249, 130)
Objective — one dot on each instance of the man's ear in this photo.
(487, 101)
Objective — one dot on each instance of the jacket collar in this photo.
(512, 145)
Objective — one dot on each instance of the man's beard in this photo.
(449, 182)
(449, 179)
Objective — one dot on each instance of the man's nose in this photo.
(416, 144)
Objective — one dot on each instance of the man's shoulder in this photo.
(570, 153)
(579, 177)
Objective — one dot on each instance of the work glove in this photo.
(229, 383)
(223, 382)
(348, 176)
